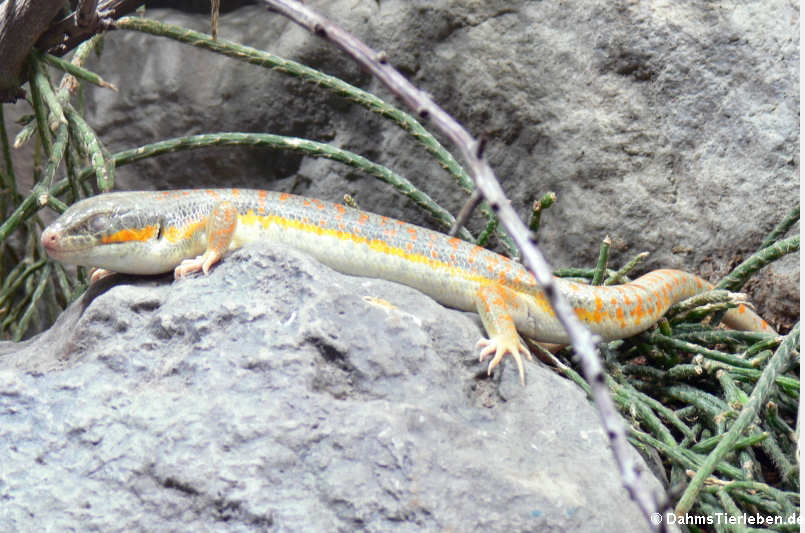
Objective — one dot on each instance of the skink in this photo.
(190, 230)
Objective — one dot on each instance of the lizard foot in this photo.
(501, 345)
(202, 262)
(97, 274)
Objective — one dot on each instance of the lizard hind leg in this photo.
(496, 305)
(220, 228)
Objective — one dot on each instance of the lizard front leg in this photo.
(496, 305)
(221, 224)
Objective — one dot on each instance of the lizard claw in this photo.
(188, 266)
(97, 274)
(500, 346)
(202, 262)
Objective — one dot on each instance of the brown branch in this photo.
(67, 33)
(464, 215)
(28, 23)
(21, 24)
(472, 151)
(215, 9)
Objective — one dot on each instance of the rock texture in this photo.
(278, 395)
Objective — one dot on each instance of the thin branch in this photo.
(581, 338)
(215, 10)
(464, 215)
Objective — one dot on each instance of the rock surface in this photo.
(278, 395)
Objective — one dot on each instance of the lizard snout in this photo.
(50, 239)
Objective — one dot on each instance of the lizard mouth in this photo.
(54, 243)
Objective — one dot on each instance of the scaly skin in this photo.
(187, 231)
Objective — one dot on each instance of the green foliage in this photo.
(718, 406)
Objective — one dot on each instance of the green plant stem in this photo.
(721, 336)
(664, 411)
(706, 403)
(9, 178)
(787, 384)
(620, 275)
(103, 167)
(758, 397)
(56, 156)
(732, 510)
(736, 279)
(40, 109)
(573, 272)
(781, 228)
(708, 444)
(69, 83)
(539, 206)
(701, 299)
(65, 286)
(683, 372)
(486, 233)
(17, 277)
(778, 424)
(685, 458)
(760, 346)
(603, 259)
(42, 82)
(26, 132)
(672, 343)
(788, 471)
(78, 72)
(735, 397)
(25, 320)
(757, 486)
(25, 209)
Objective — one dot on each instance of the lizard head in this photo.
(108, 231)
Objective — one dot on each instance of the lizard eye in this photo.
(96, 224)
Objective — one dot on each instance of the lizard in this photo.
(186, 231)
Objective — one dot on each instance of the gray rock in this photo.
(278, 395)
